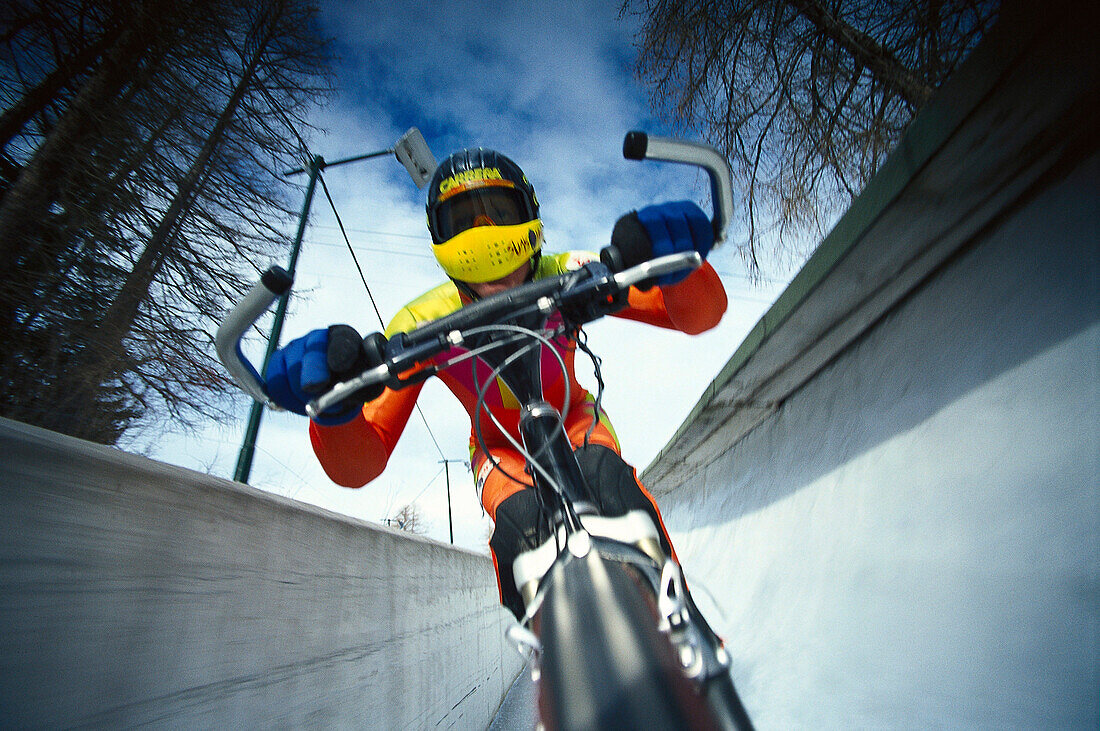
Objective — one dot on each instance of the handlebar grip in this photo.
(274, 283)
(640, 146)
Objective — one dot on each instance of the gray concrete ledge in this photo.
(1018, 108)
(133, 592)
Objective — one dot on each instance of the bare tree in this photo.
(806, 97)
(37, 186)
(139, 190)
(409, 519)
(163, 242)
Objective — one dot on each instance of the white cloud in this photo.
(546, 83)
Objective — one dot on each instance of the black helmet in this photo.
(483, 216)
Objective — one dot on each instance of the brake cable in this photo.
(581, 339)
(483, 390)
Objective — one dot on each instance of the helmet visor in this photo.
(490, 205)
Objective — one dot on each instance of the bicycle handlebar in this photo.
(274, 283)
(640, 146)
(588, 294)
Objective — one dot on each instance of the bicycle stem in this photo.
(545, 438)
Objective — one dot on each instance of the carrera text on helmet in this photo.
(480, 174)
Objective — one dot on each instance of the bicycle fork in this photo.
(700, 653)
(558, 477)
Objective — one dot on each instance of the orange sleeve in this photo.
(355, 453)
(692, 306)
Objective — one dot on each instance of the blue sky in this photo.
(549, 84)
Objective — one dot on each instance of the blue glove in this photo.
(659, 230)
(308, 366)
(674, 228)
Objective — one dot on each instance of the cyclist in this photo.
(487, 236)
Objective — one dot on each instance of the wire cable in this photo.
(354, 258)
(425, 488)
(581, 339)
(483, 390)
(374, 304)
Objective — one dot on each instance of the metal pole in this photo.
(248, 447)
(447, 471)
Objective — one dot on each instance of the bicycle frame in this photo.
(613, 565)
(554, 468)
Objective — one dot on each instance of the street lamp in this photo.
(413, 152)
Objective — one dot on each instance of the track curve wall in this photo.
(888, 500)
(135, 592)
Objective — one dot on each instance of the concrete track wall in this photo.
(132, 593)
(889, 501)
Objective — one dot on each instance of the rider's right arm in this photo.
(355, 453)
(692, 306)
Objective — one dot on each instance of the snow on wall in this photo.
(888, 502)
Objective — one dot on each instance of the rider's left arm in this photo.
(693, 305)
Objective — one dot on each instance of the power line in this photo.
(425, 255)
(430, 482)
(376, 250)
(354, 258)
(324, 186)
(371, 296)
(417, 237)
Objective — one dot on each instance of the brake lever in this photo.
(658, 267)
(602, 293)
(400, 356)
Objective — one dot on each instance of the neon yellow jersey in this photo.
(445, 299)
(354, 453)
